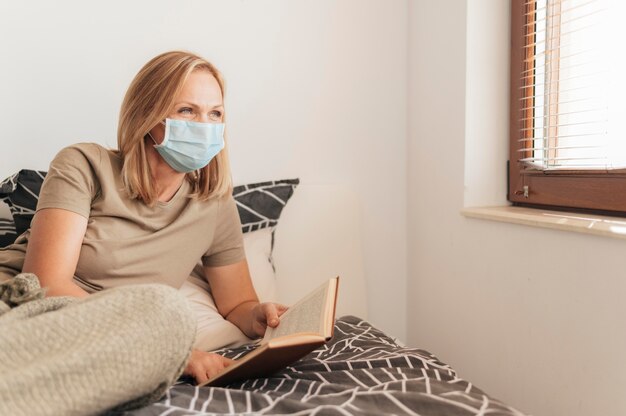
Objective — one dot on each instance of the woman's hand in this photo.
(204, 365)
(237, 301)
(266, 314)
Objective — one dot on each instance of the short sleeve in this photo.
(227, 247)
(69, 183)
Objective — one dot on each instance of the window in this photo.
(568, 106)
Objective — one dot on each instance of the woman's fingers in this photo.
(267, 314)
(204, 365)
(216, 364)
(281, 308)
(272, 313)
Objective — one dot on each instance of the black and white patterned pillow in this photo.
(7, 226)
(259, 204)
(20, 193)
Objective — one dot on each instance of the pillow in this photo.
(7, 226)
(21, 193)
(259, 206)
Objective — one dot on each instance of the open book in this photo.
(304, 327)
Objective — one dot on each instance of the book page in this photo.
(304, 316)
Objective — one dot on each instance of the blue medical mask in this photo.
(188, 145)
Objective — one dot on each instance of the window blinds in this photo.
(572, 86)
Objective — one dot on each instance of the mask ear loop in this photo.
(155, 142)
(150, 134)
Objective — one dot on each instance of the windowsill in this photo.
(582, 223)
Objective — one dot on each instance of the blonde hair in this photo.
(149, 100)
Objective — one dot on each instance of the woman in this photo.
(150, 211)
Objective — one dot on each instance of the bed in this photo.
(360, 371)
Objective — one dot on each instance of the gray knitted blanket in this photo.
(117, 349)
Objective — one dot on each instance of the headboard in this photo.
(318, 237)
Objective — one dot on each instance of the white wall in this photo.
(533, 316)
(315, 89)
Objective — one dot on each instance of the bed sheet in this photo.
(361, 371)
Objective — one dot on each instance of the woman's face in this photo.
(200, 100)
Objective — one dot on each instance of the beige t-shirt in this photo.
(126, 241)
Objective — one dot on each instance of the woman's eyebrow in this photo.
(190, 104)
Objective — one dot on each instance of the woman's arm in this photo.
(237, 301)
(53, 248)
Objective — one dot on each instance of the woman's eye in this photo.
(216, 114)
(185, 111)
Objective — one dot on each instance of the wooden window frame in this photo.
(590, 191)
